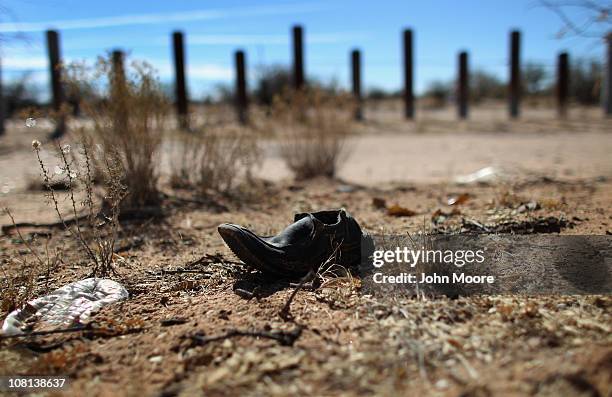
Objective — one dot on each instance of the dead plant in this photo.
(214, 158)
(93, 227)
(313, 126)
(129, 112)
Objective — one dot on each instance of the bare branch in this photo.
(597, 23)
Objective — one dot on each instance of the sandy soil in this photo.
(350, 343)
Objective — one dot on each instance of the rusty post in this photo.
(515, 74)
(241, 88)
(2, 108)
(408, 76)
(356, 79)
(180, 84)
(463, 87)
(119, 91)
(118, 74)
(562, 84)
(298, 57)
(53, 50)
(607, 100)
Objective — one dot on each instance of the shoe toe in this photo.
(244, 244)
(234, 236)
(228, 230)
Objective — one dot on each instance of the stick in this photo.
(161, 272)
(6, 228)
(49, 332)
(284, 338)
(88, 327)
(285, 311)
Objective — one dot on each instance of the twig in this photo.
(470, 370)
(285, 311)
(36, 348)
(168, 322)
(211, 258)
(6, 228)
(49, 332)
(244, 293)
(285, 338)
(470, 222)
(161, 272)
(574, 27)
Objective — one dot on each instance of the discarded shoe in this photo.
(304, 245)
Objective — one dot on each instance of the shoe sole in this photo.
(231, 235)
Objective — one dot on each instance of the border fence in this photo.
(562, 80)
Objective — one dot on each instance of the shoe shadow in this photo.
(250, 284)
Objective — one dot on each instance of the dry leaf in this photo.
(505, 310)
(396, 210)
(440, 216)
(455, 343)
(458, 200)
(379, 203)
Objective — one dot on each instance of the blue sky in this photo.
(214, 29)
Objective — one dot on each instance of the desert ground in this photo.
(198, 322)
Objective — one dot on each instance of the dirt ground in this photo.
(185, 285)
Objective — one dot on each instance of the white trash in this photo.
(69, 305)
(486, 174)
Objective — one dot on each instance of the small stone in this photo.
(442, 384)
(346, 189)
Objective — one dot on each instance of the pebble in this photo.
(442, 384)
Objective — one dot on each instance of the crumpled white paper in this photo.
(69, 305)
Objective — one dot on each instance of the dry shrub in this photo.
(214, 159)
(313, 126)
(129, 111)
(92, 225)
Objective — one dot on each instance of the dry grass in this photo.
(313, 127)
(129, 113)
(214, 158)
(17, 288)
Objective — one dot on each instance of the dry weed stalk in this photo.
(95, 231)
(214, 159)
(313, 127)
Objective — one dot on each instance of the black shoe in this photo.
(303, 246)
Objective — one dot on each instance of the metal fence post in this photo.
(463, 85)
(562, 84)
(408, 75)
(180, 81)
(356, 80)
(119, 91)
(2, 108)
(57, 91)
(298, 57)
(515, 74)
(608, 77)
(241, 90)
